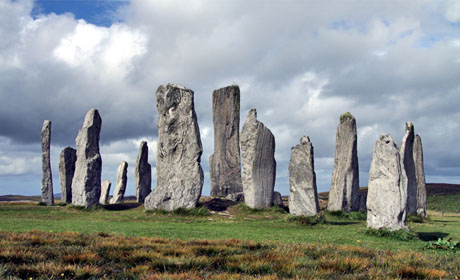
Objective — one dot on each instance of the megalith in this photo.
(120, 187)
(179, 173)
(258, 162)
(344, 192)
(47, 178)
(303, 195)
(224, 164)
(67, 160)
(86, 183)
(278, 199)
(105, 190)
(407, 157)
(143, 173)
(387, 189)
(420, 177)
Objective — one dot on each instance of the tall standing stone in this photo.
(344, 192)
(407, 157)
(387, 193)
(47, 178)
(179, 173)
(224, 164)
(120, 188)
(86, 183)
(143, 173)
(105, 190)
(420, 177)
(66, 171)
(258, 162)
(303, 195)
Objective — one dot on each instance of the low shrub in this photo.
(199, 211)
(444, 244)
(307, 220)
(403, 235)
(357, 216)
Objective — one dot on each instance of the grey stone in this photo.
(420, 177)
(407, 157)
(237, 197)
(105, 190)
(179, 173)
(66, 170)
(278, 199)
(344, 192)
(363, 201)
(143, 173)
(303, 195)
(120, 187)
(86, 183)
(258, 162)
(224, 164)
(47, 178)
(387, 192)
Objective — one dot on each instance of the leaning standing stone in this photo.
(105, 190)
(47, 179)
(224, 164)
(344, 192)
(407, 157)
(66, 171)
(143, 173)
(420, 177)
(258, 162)
(386, 197)
(120, 188)
(303, 196)
(86, 183)
(179, 173)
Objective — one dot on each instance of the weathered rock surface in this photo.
(120, 188)
(258, 162)
(303, 195)
(179, 172)
(237, 197)
(278, 199)
(67, 160)
(344, 192)
(105, 190)
(407, 157)
(47, 178)
(86, 183)
(387, 193)
(363, 201)
(143, 173)
(420, 176)
(224, 164)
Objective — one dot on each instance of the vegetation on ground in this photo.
(444, 203)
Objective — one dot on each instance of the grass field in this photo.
(125, 242)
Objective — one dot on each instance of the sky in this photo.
(299, 63)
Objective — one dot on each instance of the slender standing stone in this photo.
(47, 179)
(387, 194)
(66, 170)
(143, 173)
(105, 190)
(278, 199)
(120, 188)
(344, 192)
(407, 157)
(303, 195)
(86, 183)
(258, 162)
(224, 164)
(179, 172)
(420, 177)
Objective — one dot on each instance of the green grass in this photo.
(446, 203)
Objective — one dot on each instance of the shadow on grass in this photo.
(341, 223)
(121, 206)
(431, 236)
(218, 204)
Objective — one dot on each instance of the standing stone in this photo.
(363, 201)
(278, 199)
(303, 195)
(105, 190)
(420, 177)
(86, 183)
(344, 192)
(66, 170)
(143, 173)
(179, 173)
(407, 157)
(387, 193)
(258, 162)
(47, 179)
(224, 164)
(120, 188)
